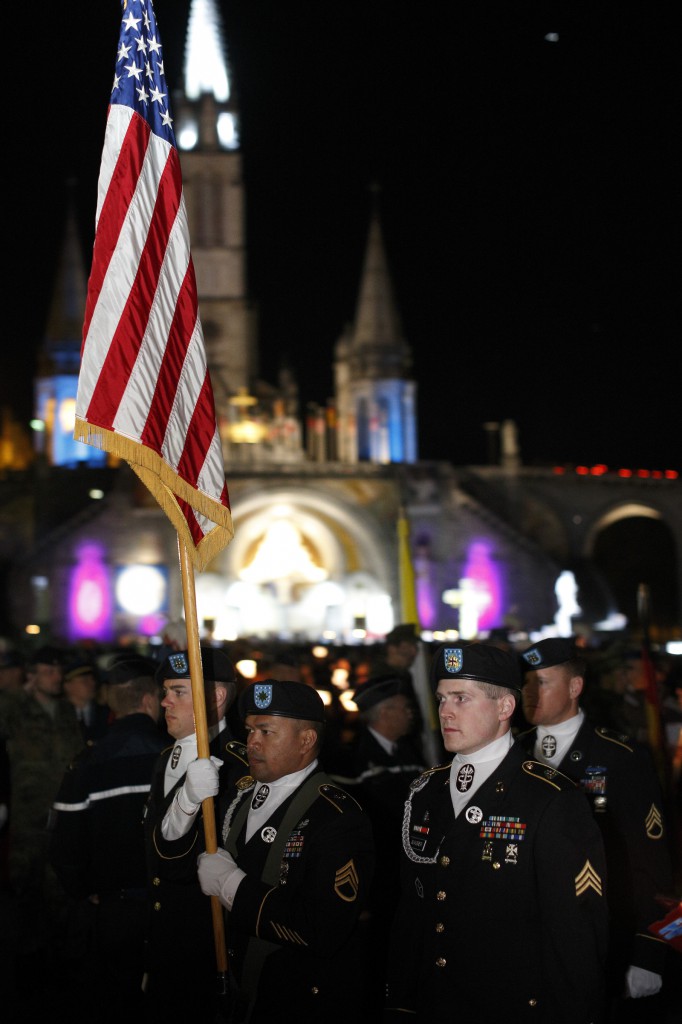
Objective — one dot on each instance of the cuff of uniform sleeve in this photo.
(649, 953)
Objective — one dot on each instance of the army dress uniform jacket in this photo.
(181, 933)
(381, 783)
(502, 909)
(293, 939)
(620, 781)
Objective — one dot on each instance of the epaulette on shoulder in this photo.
(543, 772)
(338, 796)
(237, 749)
(621, 739)
(422, 779)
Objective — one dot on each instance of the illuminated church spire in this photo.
(56, 381)
(375, 395)
(207, 117)
(207, 130)
(205, 65)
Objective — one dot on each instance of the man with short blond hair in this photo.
(620, 782)
(502, 892)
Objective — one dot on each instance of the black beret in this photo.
(216, 666)
(284, 698)
(47, 655)
(403, 631)
(129, 667)
(546, 653)
(482, 662)
(379, 688)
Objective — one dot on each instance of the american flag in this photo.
(144, 390)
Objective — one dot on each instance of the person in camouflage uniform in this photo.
(41, 733)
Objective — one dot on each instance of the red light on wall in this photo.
(582, 470)
(625, 472)
(599, 470)
(559, 470)
(643, 473)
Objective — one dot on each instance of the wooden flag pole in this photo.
(201, 727)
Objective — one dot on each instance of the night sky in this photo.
(528, 197)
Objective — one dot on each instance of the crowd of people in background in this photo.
(105, 879)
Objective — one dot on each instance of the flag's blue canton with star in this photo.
(139, 79)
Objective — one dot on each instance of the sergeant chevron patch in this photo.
(587, 879)
(346, 882)
(654, 823)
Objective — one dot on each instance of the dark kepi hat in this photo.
(11, 659)
(284, 698)
(47, 655)
(481, 662)
(376, 689)
(545, 653)
(403, 631)
(129, 667)
(215, 664)
(79, 667)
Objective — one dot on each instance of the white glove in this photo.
(639, 982)
(201, 781)
(219, 876)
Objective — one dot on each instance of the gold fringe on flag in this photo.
(164, 483)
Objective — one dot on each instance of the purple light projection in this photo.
(90, 604)
(487, 576)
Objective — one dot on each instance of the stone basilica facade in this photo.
(322, 498)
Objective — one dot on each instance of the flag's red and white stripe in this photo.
(144, 390)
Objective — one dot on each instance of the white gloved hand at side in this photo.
(219, 876)
(640, 982)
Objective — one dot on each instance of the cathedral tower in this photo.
(207, 132)
(376, 399)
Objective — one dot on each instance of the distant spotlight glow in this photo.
(552, 37)
(247, 668)
(346, 701)
(141, 589)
